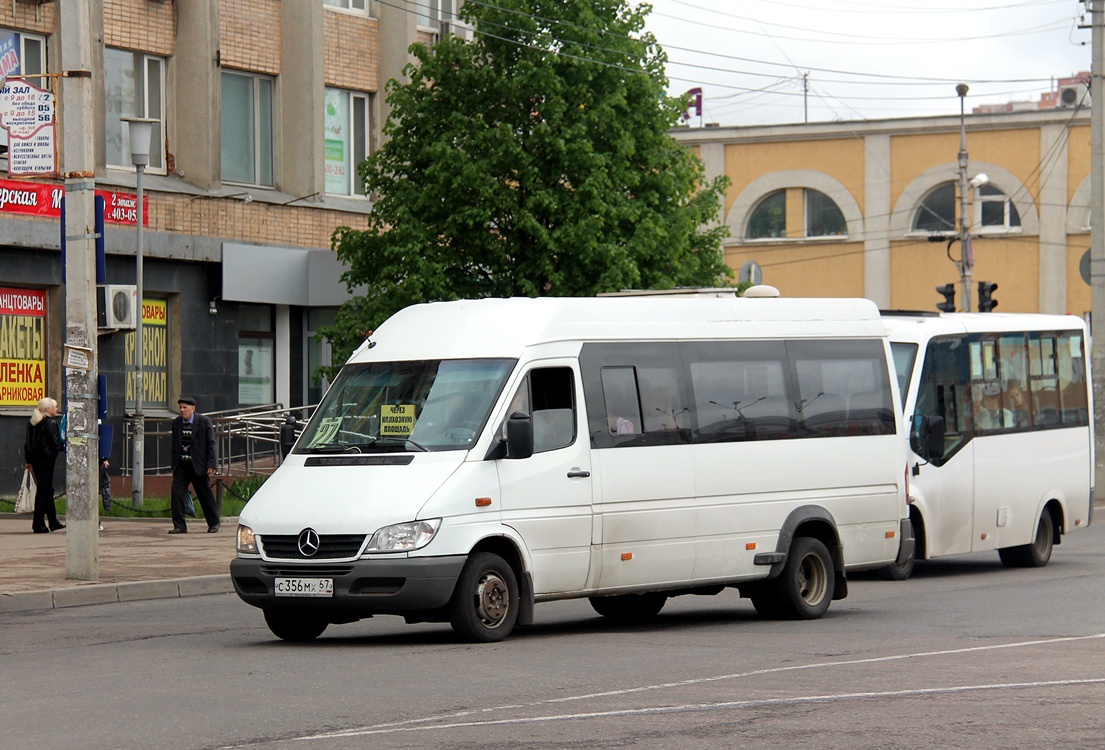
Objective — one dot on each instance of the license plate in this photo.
(304, 586)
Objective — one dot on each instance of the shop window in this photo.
(256, 355)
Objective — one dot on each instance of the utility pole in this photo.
(966, 256)
(79, 359)
(1097, 236)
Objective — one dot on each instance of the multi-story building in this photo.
(870, 209)
(263, 109)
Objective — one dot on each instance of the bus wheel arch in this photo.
(1037, 553)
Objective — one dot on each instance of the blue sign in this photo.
(9, 54)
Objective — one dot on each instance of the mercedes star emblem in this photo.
(308, 543)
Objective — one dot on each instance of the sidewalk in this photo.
(138, 559)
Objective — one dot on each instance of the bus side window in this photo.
(547, 395)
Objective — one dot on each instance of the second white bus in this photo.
(1002, 436)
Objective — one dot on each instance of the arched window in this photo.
(769, 217)
(993, 211)
(823, 217)
(937, 211)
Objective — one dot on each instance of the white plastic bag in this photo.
(25, 503)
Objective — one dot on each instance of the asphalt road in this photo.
(967, 654)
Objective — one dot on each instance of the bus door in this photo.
(944, 487)
(547, 497)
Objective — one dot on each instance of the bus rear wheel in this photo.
(804, 589)
(1034, 555)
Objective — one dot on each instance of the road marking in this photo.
(425, 723)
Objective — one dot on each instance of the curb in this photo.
(107, 593)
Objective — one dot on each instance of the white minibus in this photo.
(474, 458)
(1002, 439)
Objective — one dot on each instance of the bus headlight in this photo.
(247, 543)
(403, 537)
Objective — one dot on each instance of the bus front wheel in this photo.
(1034, 555)
(297, 627)
(485, 602)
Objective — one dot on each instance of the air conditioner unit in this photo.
(1073, 96)
(117, 306)
(456, 28)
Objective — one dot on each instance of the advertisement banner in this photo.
(37, 199)
(155, 355)
(27, 114)
(22, 346)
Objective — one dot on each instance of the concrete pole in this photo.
(77, 168)
(965, 260)
(1097, 236)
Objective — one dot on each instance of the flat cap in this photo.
(186, 400)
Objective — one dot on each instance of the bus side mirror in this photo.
(287, 435)
(928, 439)
(519, 435)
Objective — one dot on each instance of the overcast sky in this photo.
(865, 59)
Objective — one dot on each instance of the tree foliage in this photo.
(534, 160)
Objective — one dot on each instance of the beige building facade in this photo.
(262, 110)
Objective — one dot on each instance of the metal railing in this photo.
(248, 440)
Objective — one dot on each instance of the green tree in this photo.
(534, 160)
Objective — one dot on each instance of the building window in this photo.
(432, 12)
(769, 217)
(823, 216)
(937, 211)
(994, 211)
(319, 353)
(247, 128)
(346, 140)
(357, 6)
(22, 55)
(256, 352)
(135, 88)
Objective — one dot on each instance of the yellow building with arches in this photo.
(870, 209)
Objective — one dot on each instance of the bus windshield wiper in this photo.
(393, 439)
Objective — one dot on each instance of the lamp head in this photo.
(962, 89)
(141, 132)
(980, 179)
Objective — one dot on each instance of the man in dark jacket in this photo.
(194, 460)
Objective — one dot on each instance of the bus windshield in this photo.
(426, 405)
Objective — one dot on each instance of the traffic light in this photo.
(948, 305)
(986, 301)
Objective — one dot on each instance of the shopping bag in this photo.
(25, 502)
(189, 509)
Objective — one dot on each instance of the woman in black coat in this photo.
(41, 452)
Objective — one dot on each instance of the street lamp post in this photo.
(966, 252)
(141, 128)
(966, 261)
